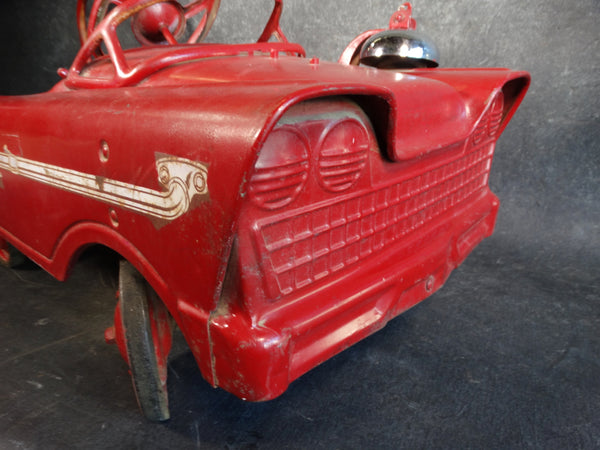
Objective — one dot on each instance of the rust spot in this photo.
(100, 182)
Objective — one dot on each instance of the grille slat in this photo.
(342, 169)
(336, 180)
(339, 157)
(279, 183)
(279, 172)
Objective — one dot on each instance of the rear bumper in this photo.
(257, 361)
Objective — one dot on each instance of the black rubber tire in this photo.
(14, 257)
(135, 296)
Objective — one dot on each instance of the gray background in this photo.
(505, 355)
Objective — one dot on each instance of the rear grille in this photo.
(305, 248)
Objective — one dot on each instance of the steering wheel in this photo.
(155, 22)
(162, 22)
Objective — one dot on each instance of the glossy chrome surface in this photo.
(399, 49)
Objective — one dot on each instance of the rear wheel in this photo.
(145, 327)
(10, 256)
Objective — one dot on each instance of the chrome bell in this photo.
(401, 46)
(399, 49)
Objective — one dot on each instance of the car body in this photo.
(282, 208)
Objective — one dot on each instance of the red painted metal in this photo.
(402, 19)
(273, 29)
(281, 208)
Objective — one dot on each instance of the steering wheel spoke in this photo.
(197, 7)
(209, 9)
(157, 24)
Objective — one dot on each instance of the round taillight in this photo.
(281, 170)
(343, 153)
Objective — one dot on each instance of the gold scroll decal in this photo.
(181, 179)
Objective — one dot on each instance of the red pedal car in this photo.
(276, 208)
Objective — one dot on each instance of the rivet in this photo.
(199, 182)
(104, 151)
(429, 284)
(163, 175)
(114, 219)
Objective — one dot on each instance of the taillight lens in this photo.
(343, 153)
(281, 170)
